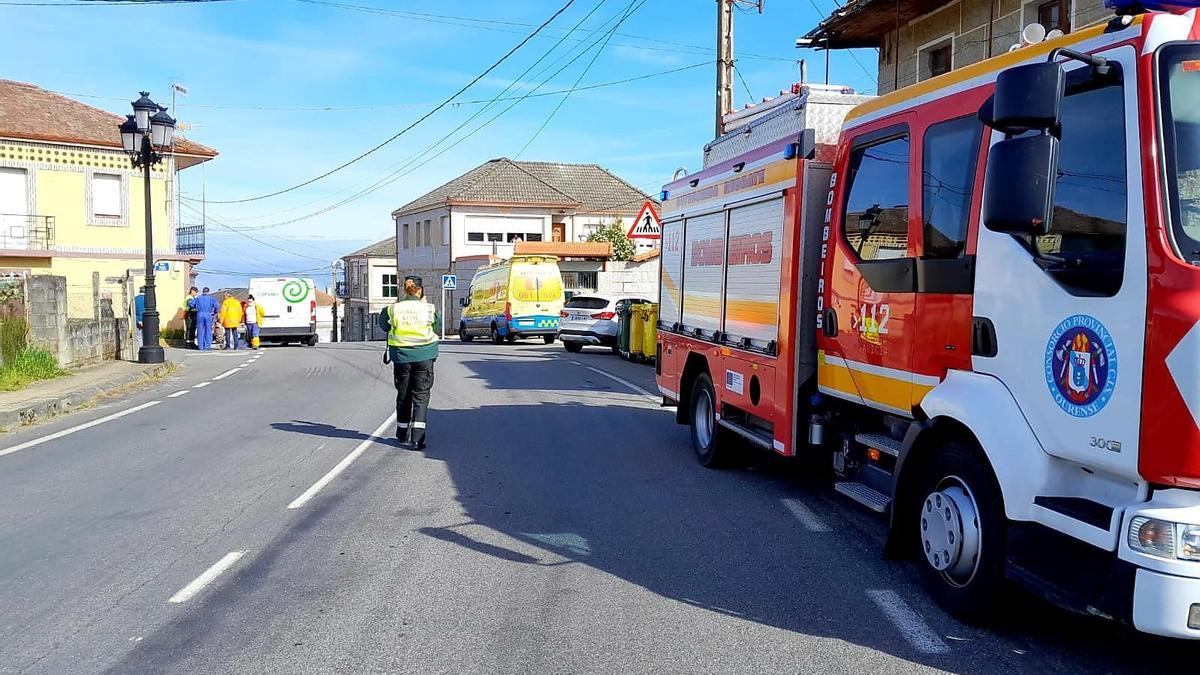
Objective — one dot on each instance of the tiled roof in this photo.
(387, 248)
(30, 112)
(564, 249)
(586, 188)
(648, 255)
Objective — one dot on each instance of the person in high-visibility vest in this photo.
(412, 326)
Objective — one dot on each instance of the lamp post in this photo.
(145, 135)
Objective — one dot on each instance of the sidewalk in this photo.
(43, 400)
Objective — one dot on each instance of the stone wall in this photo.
(74, 342)
(629, 278)
(966, 22)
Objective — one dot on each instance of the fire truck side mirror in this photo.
(1018, 191)
(1028, 97)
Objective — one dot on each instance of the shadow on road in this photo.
(330, 431)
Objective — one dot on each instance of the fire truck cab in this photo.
(976, 301)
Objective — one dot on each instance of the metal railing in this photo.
(25, 232)
(189, 240)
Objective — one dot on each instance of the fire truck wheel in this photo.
(462, 333)
(710, 444)
(496, 337)
(960, 530)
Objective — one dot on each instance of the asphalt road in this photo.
(556, 523)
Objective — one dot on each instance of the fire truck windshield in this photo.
(1179, 89)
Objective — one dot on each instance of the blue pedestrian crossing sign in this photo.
(449, 282)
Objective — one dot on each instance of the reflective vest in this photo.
(411, 324)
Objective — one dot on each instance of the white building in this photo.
(485, 211)
(371, 284)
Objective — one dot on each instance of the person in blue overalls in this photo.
(206, 310)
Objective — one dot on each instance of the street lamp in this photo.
(145, 135)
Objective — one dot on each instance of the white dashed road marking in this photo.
(805, 515)
(341, 466)
(225, 374)
(187, 592)
(201, 385)
(67, 432)
(178, 393)
(908, 622)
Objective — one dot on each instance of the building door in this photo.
(871, 286)
(14, 209)
(1069, 307)
(558, 232)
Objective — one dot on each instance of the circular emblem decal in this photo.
(1081, 365)
(294, 291)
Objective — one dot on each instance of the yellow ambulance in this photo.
(519, 297)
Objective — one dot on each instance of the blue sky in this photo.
(250, 65)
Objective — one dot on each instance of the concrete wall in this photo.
(966, 23)
(630, 278)
(74, 342)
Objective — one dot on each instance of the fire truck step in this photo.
(865, 495)
(884, 444)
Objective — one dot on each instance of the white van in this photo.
(289, 309)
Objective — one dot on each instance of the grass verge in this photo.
(27, 366)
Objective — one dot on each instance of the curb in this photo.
(41, 410)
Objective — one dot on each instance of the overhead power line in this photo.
(217, 221)
(397, 106)
(494, 25)
(406, 129)
(420, 159)
(632, 7)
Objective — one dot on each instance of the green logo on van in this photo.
(294, 291)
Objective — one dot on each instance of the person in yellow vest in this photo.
(412, 326)
(231, 318)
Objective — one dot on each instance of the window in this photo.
(1055, 14)
(533, 236)
(391, 289)
(475, 236)
(587, 302)
(876, 224)
(404, 229)
(106, 195)
(495, 236)
(417, 235)
(1179, 83)
(935, 58)
(1085, 248)
(947, 182)
(428, 238)
(445, 230)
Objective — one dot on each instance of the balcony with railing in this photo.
(25, 232)
(189, 240)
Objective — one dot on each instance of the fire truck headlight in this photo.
(1189, 542)
(1152, 537)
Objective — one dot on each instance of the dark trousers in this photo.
(189, 327)
(413, 382)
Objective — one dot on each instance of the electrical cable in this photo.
(406, 129)
(630, 9)
(411, 164)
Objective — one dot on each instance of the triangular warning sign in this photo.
(646, 225)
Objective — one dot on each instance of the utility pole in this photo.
(725, 57)
(334, 274)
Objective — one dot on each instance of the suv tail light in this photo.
(562, 313)
(605, 316)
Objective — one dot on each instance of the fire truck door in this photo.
(872, 276)
(1069, 307)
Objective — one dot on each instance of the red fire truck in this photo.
(975, 300)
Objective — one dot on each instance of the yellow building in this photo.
(72, 205)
